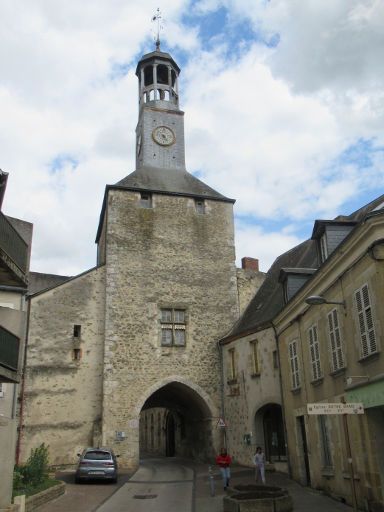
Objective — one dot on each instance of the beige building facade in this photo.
(330, 352)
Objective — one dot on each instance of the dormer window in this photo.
(293, 279)
(330, 234)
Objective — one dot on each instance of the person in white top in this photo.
(259, 462)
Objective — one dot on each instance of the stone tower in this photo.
(139, 332)
(167, 242)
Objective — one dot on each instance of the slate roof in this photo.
(39, 281)
(169, 181)
(269, 300)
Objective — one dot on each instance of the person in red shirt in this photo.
(223, 461)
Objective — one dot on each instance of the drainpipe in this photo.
(222, 409)
(22, 390)
(282, 398)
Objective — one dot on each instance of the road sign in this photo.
(221, 423)
(335, 408)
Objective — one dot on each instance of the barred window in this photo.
(336, 345)
(294, 364)
(368, 339)
(314, 352)
(173, 327)
(2, 389)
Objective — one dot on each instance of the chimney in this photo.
(250, 264)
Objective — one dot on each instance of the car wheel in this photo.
(77, 480)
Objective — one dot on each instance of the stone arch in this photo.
(188, 418)
(269, 430)
(214, 411)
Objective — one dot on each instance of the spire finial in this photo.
(157, 17)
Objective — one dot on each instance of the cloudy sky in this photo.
(284, 103)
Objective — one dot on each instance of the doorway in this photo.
(304, 450)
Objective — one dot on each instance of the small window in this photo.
(2, 389)
(173, 327)
(145, 200)
(200, 206)
(255, 357)
(275, 358)
(294, 364)
(77, 354)
(77, 331)
(232, 373)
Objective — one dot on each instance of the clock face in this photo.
(163, 135)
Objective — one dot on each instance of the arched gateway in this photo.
(178, 419)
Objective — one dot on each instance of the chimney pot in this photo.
(250, 264)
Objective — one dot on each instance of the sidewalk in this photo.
(305, 499)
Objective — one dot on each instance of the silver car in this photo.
(96, 463)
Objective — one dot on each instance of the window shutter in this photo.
(366, 323)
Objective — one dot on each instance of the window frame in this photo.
(255, 357)
(174, 325)
(232, 377)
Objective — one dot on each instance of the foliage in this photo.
(32, 477)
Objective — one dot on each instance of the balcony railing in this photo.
(9, 349)
(14, 250)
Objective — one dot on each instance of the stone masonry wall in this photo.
(62, 398)
(167, 256)
(249, 391)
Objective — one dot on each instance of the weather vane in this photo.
(157, 18)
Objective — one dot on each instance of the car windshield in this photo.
(97, 455)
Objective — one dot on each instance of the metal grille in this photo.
(12, 243)
(9, 349)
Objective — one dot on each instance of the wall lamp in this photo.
(316, 300)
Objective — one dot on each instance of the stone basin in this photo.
(257, 498)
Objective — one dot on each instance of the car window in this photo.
(97, 455)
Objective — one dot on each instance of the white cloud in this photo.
(266, 126)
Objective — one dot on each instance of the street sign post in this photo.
(335, 408)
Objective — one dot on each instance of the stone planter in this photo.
(257, 498)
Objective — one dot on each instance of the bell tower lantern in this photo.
(160, 127)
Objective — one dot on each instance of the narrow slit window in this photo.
(77, 331)
(255, 358)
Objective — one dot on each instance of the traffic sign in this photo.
(335, 408)
(221, 423)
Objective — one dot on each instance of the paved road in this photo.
(175, 485)
(158, 486)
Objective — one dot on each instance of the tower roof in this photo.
(170, 182)
(156, 55)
